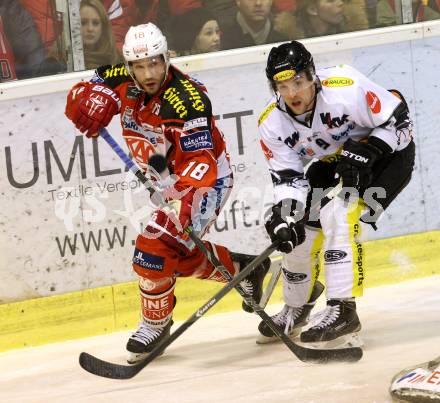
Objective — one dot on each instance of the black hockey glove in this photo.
(279, 227)
(356, 163)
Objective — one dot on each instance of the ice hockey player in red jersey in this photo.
(163, 111)
(349, 129)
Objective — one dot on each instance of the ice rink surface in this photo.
(217, 360)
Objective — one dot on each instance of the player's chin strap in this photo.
(115, 371)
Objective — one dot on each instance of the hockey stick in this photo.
(344, 354)
(116, 371)
(275, 275)
(102, 368)
(276, 272)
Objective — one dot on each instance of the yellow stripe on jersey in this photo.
(316, 258)
(266, 112)
(357, 248)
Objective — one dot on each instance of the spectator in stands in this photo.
(47, 21)
(196, 31)
(251, 26)
(122, 14)
(423, 10)
(426, 10)
(224, 10)
(161, 12)
(21, 51)
(98, 41)
(370, 10)
(283, 5)
(49, 24)
(314, 18)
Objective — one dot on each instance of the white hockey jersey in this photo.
(349, 105)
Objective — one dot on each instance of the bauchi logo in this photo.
(337, 82)
(334, 255)
(284, 75)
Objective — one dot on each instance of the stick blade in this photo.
(106, 369)
(349, 354)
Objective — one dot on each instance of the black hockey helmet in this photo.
(287, 60)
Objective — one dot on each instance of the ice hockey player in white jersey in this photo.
(353, 131)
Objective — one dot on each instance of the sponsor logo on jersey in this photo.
(291, 140)
(132, 92)
(96, 79)
(337, 82)
(343, 134)
(115, 72)
(194, 95)
(373, 102)
(148, 261)
(128, 122)
(293, 277)
(359, 259)
(284, 75)
(333, 255)
(332, 157)
(192, 124)
(196, 141)
(266, 113)
(156, 108)
(172, 96)
(141, 149)
(331, 123)
(267, 152)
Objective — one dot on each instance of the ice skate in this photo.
(338, 326)
(144, 340)
(290, 320)
(253, 283)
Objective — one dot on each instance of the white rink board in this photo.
(36, 138)
(217, 360)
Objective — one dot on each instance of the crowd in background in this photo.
(32, 42)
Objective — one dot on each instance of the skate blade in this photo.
(349, 340)
(134, 358)
(261, 339)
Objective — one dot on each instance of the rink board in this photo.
(69, 213)
(108, 309)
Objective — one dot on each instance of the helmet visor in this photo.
(289, 82)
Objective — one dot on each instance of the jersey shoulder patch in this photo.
(185, 99)
(112, 75)
(266, 112)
